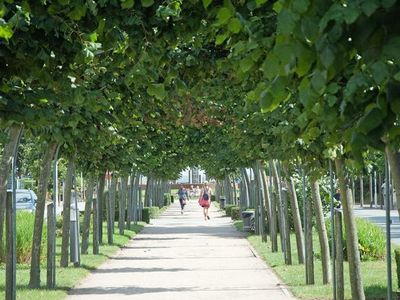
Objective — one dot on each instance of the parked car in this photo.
(26, 199)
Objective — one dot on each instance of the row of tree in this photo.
(154, 86)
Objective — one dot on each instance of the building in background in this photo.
(192, 176)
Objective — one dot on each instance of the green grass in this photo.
(66, 278)
(373, 272)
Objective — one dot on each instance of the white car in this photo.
(26, 199)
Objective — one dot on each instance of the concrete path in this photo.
(378, 216)
(184, 257)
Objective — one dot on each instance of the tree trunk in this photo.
(277, 187)
(308, 238)
(322, 234)
(129, 204)
(100, 204)
(394, 161)
(371, 190)
(122, 205)
(109, 210)
(361, 191)
(298, 228)
(273, 228)
(357, 291)
(86, 217)
(10, 150)
(147, 192)
(45, 171)
(247, 191)
(66, 215)
(266, 196)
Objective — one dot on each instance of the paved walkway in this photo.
(378, 216)
(184, 257)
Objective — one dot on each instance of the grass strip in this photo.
(67, 278)
(373, 272)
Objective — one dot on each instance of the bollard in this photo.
(222, 202)
(74, 236)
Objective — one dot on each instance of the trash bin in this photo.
(247, 217)
(222, 202)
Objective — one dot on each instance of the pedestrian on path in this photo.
(183, 196)
(205, 200)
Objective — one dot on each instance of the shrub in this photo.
(25, 221)
(228, 209)
(397, 259)
(371, 240)
(212, 198)
(235, 213)
(150, 213)
(167, 199)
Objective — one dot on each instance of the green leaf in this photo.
(397, 76)
(327, 57)
(371, 120)
(63, 2)
(388, 3)
(206, 3)
(268, 103)
(246, 64)
(147, 3)
(271, 66)
(286, 22)
(305, 59)
(157, 90)
(351, 13)
(78, 12)
(369, 7)
(391, 48)
(220, 38)
(380, 71)
(260, 2)
(301, 6)
(279, 89)
(6, 32)
(309, 27)
(234, 25)
(318, 82)
(224, 14)
(126, 4)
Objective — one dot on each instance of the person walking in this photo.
(183, 196)
(205, 200)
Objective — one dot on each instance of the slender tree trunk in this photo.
(357, 291)
(114, 182)
(266, 196)
(147, 192)
(86, 217)
(309, 249)
(394, 161)
(361, 191)
(322, 234)
(122, 205)
(96, 219)
(100, 203)
(10, 150)
(277, 185)
(371, 190)
(45, 171)
(66, 215)
(129, 204)
(247, 182)
(298, 228)
(273, 228)
(109, 210)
